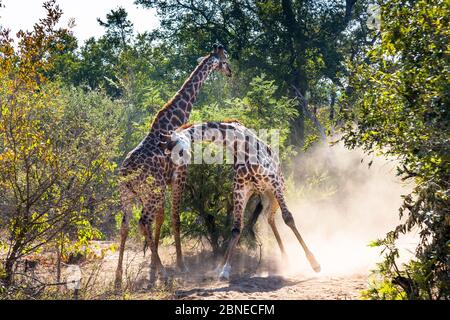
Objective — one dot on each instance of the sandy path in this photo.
(279, 287)
(246, 282)
(251, 278)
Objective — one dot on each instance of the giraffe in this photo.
(147, 171)
(256, 171)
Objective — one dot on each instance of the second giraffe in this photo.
(256, 170)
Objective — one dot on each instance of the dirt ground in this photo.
(258, 273)
(278, 287)
(336, 228)
(253, 277)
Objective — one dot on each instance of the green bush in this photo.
(399, 107)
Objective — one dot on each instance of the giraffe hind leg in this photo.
(178, 184)
(155, 264)
(259, 209)
(289, 220)
(272, 207)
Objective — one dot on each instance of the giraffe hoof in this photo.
(313, 262)
(224, 277)
(225, 274)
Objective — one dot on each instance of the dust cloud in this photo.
(349, 205)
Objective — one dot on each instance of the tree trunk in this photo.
(59, 250)
(9, 270)
(213, 234)
(211, 229)
(332, 102)
(296, 44)
(303, 104)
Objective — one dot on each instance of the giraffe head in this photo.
(174, 138)
(179, 143)
(220, 57)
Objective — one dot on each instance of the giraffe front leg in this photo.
(177, 190)
(241, 194)
(158, 224)
(155, 263)
(153, 210)
(289, 220)
(226, 268)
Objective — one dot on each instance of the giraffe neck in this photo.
(176, 112)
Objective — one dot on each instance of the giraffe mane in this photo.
(188, 125)
(231, 120)
(184, 126)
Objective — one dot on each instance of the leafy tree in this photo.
(118, 28)
(400, 108)
(296, 43)
(56, 149)
(98, 63)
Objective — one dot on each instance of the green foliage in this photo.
(118, 28)
(258, 109)
(391, 282)
(57, 147)
(297, 43)
(400, 105)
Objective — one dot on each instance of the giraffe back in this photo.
(254, 160)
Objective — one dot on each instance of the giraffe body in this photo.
(147, 171)
(256, 170)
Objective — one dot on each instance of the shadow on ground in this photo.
(239, 285)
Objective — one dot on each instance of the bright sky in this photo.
(22, 14)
